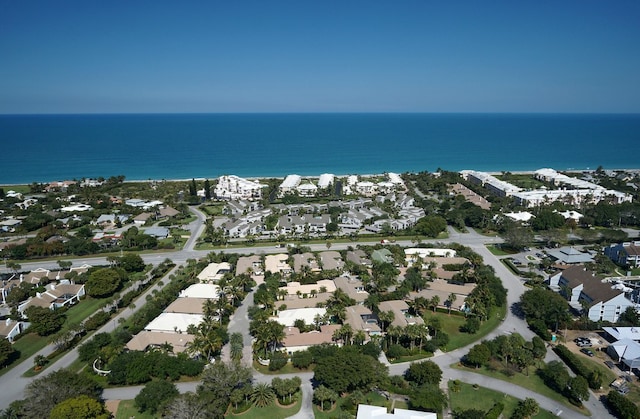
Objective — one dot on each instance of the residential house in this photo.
(359, 257)
(214, 272)
(157, 232)
(353, 287)
(277, 264)
(308, 315)
(166, 212)
(360, 317)
(142, 218)
(209, 291)
(251, 263)
(302, 290)
(400, 309)
(294, 341)
(64, 293)
(331, 260)
(174, 322)
(9, 329)
(305, 260)
(150, 340)
(382, 256)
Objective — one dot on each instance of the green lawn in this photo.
(532, 382)
(373, 398)
(483, 398)
(84, 309)
(287, 369)
(127, 410)
(499, 251)
(451, 325)
(272, 412)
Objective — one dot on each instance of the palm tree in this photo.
(323, 394)
(262, 395)
(386, 318)
(434, 302)
(450, 300)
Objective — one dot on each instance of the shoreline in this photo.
(259, 178)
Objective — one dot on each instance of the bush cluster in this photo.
(621, 406)
(578, 367)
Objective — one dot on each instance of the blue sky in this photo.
(319, 56)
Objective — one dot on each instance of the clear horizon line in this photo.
(320, 113)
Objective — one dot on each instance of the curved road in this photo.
(240, 323)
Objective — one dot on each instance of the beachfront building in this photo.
(235, 187)
(307, 189)
(572, 191)
(289, 184)
(325, 180)
(494, 185)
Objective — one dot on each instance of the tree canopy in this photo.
(103, 282)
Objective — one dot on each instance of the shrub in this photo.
(495, 411)
(540, 328)
(301, 359)
(396, 351)
(97, 320)
(621, 406)
(278, 361)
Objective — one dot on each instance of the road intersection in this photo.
(13, 383)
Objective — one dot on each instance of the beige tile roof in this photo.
(186, 305)
(144, 339)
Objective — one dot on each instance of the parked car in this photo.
(609, 364)
(587, 352)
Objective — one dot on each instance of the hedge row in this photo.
(622, 407)
(579, 368)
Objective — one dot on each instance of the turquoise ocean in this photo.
(42, 148)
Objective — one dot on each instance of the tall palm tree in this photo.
(450, 300)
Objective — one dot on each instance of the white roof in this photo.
(621, 333)
(426, 251)
(520, 216)
(214, 271)
(291, 181)
(210, 291)
(288, 317)
(325, 180)
(172, 322)
(366, 411)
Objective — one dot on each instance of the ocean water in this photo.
(42, 148)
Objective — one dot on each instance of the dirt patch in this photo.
(112, 406)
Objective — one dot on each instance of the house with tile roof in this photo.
(360, 317)
(400, 309)
(294, 341)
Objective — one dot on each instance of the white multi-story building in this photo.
(290, 184)
(234, 187)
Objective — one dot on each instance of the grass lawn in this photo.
(483, 399)
(272, 412)
(499, 251)
(127, 410)
(409, 358)
(84, 309)
(532, 382)
(451, 325)
(373, 398)
(287, 369)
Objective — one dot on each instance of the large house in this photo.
(602, 300)
(400, 310)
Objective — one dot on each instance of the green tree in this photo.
(132, 262)
(431, 225)
(154, 395)
(262, 395)
(81, 407)
(478, 355)
(426, 372)
(323, 394)
(526, 408)
(428, 397)
(43, 394)
(44, 321)
(6, 351)
(103, 282)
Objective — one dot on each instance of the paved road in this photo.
(239, 323)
